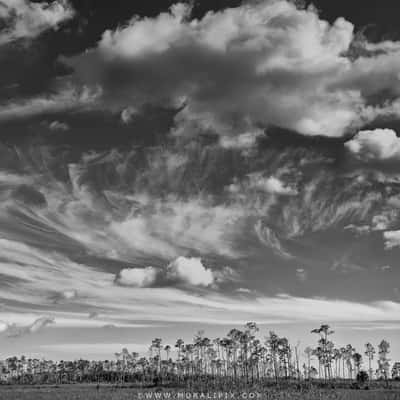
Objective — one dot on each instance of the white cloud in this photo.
(392, 239)
(251, 192)
(379, 222)
(3, 326)
(58, 126)
(376, 145)
(358, 230)
(66, 99)
(271, 185)
(226, 274)
(137, 277)
(40, 323)
(128, 114)
(264, 62)
(69, 294)
(370, 326)
(268, 238)
(190, 270)
(244, 141)
(382, 222)
(24, 19)
(244, 290)
(14, 330)
(146, 36)
(9, 178)
(61, 319)
(167, 228)
(40, 273)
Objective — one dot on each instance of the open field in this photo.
(108, 392)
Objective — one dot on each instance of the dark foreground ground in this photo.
(92, 392)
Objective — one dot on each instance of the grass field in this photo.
(89, 392)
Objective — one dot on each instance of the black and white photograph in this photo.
(199, 199)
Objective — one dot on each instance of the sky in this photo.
(172, 167)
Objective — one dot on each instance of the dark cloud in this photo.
(29, 195)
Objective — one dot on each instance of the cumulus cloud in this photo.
(137, 277)
(392, 239)
(183, 270)
(23, 19)
(375, 145)
(271, 185)
(190, 270)
(264, 62)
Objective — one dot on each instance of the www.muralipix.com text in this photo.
(198, 395)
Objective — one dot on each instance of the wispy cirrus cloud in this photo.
(94, 348)
(268, 237)
(13, 330)
(268, 184)
(65, 99)
(125, 305)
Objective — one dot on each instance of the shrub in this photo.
(362, 377)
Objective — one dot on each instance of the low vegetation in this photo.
(238, 363)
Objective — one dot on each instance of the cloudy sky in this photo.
(172, 167)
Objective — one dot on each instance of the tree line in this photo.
(240, 357)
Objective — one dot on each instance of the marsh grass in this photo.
(109, 392)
